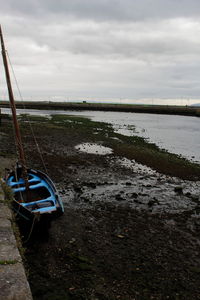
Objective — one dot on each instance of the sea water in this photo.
(176, 134)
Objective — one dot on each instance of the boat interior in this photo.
(38, 198)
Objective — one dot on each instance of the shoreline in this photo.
(152, 109)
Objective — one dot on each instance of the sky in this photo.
(103, 49)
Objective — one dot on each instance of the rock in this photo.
(188, 194)
(92, 185)
(195, 197)
(73, 240)
(120, 236)
(134, 195)
(78, 189)
(137, 201)
(152, 202)
(119, 197)
(84, 199)
(147, 185)
(178, 190)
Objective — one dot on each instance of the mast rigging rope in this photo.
(28, 119)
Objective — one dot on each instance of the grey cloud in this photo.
(145, 41)
(104, 48)
(131, 10)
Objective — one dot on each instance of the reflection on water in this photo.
(177, 134)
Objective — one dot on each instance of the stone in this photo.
(134, 195)
(178, 190)
(13, 283)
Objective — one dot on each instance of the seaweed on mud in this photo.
(82, 129)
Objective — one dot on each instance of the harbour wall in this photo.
(13, 281)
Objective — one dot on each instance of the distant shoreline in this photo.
(137, 108)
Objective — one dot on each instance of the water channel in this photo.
(177, 134)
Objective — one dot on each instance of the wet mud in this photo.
(128, 232)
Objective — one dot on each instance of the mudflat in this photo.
(131, 223)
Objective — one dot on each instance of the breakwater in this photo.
(153, 109)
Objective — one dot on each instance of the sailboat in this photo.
(34, 192)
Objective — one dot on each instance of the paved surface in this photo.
(13, 281)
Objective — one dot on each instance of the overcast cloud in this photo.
(131, 49)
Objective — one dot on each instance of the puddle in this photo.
(92, 148)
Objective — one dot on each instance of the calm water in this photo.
(177, 134)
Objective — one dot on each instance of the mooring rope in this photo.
(28, 119)
(31, 230)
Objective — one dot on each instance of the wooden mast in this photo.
(13, 109)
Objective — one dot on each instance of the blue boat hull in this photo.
(41, 198)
